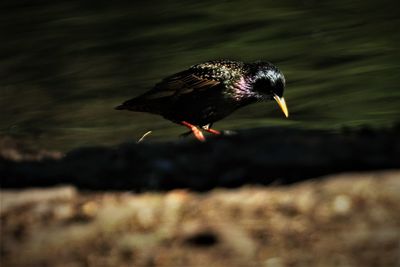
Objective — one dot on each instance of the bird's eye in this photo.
(278, 88)
(263, 86)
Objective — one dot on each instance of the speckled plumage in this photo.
(210, 91)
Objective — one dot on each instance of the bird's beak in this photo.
(282, 104)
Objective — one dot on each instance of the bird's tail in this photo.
(136, 104)
(131, 104)
(120, 107)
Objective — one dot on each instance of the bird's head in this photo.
(268, 83)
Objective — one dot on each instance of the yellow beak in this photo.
(282, 104)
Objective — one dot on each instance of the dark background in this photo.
(64, 65)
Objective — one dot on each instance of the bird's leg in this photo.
(213, 131)
(196, 131)
(207, 128)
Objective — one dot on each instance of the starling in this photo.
(207, 92)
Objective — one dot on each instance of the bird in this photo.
(208, 92)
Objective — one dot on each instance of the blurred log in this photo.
(258, 156)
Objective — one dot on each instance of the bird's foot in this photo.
(196, 131)
(216, 132)
(207, 128)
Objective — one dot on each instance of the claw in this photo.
(196, 131)
(207, 128)
(213, 131)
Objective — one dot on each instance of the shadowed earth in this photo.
(137, 205)
(261, 156)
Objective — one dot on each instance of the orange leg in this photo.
(207, 128)
(212, 131)
(196, 131)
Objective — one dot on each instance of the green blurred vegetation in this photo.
(64, 65)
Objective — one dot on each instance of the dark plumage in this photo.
(210, 91)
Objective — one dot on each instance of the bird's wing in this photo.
(184, 82)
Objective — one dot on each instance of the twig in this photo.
(143, 137)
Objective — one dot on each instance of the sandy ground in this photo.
(351, 219)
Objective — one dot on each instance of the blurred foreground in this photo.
(342, 220)
(348, 219)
